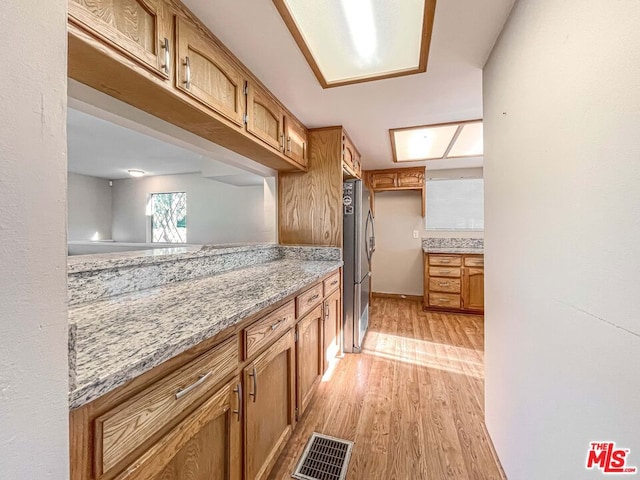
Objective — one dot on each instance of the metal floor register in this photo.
(324, 458)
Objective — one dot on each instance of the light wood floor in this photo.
(412, 402)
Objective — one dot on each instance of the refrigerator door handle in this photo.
(373, 234)
(367, 238)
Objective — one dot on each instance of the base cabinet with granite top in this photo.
(223, 409)
(454, 282)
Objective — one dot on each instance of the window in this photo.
(455, 204)
(168, 212)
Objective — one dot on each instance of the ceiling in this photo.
(103, 149)
(451, 90)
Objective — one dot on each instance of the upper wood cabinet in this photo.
(265, 117)
(310, 206)
(206, 73)
(350, 156)
(137, 28)
(397, 179)
(270, 406)
(295, 141)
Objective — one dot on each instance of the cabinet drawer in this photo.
(268, 329)
(123, 429)
(331, 283)
(444, 272)
(453, 260)
(474, 261)
(444, 300)
(448, 285)
(309, 299)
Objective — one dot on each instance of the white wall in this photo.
(397, 261)
(33, 316)
(562, 235)
(89, 201)
(216, 212)
(397, 265)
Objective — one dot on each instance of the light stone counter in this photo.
(122, 337)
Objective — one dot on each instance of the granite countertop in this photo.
(460, 250)
(121, 337)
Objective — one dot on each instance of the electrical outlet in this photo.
(416, 234)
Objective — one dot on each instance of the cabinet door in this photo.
(137, 28)
(332, 327)
(473, 288)
(270, 406)
(308, 357)
(265, 118)
(348, 152)
(206, 445)
(410, 179)
(206, 73)
(381, 181)
(296, 141)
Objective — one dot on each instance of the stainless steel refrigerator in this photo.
(359, 244)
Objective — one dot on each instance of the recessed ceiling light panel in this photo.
(435, 142)
(350, 41)
(469, 142)
(136, 173)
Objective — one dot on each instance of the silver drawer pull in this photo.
(278, 323)
(444, 284)
(443, 260)
(444, 272)
(315, 297)
(183, 391)
(335, 282)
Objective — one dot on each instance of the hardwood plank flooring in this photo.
(412, 402)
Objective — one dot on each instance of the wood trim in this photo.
(425, 43)
(445, 124)
(397, 296)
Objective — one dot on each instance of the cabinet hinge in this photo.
(245, 118)
(295, 336)
(246, 88)
(297, 414)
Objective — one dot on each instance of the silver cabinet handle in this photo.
(183, 391)
(304, 150)
(442, 260)
(278, 323)
(167, 55)
(444, 272)
(255, 384)
(238, 391)
(326, 310)
(282, 141)
(187, 64)
(289, 144)
(443, 284)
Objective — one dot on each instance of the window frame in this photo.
(149, 217)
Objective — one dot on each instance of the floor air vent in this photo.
(324, 458)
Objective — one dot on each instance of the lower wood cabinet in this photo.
(332, 328)
(223, 410)
(206, 445)
(454, 282)
(309, 362)
(269, 406)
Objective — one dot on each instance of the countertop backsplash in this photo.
(434, 243)
(96, 277)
